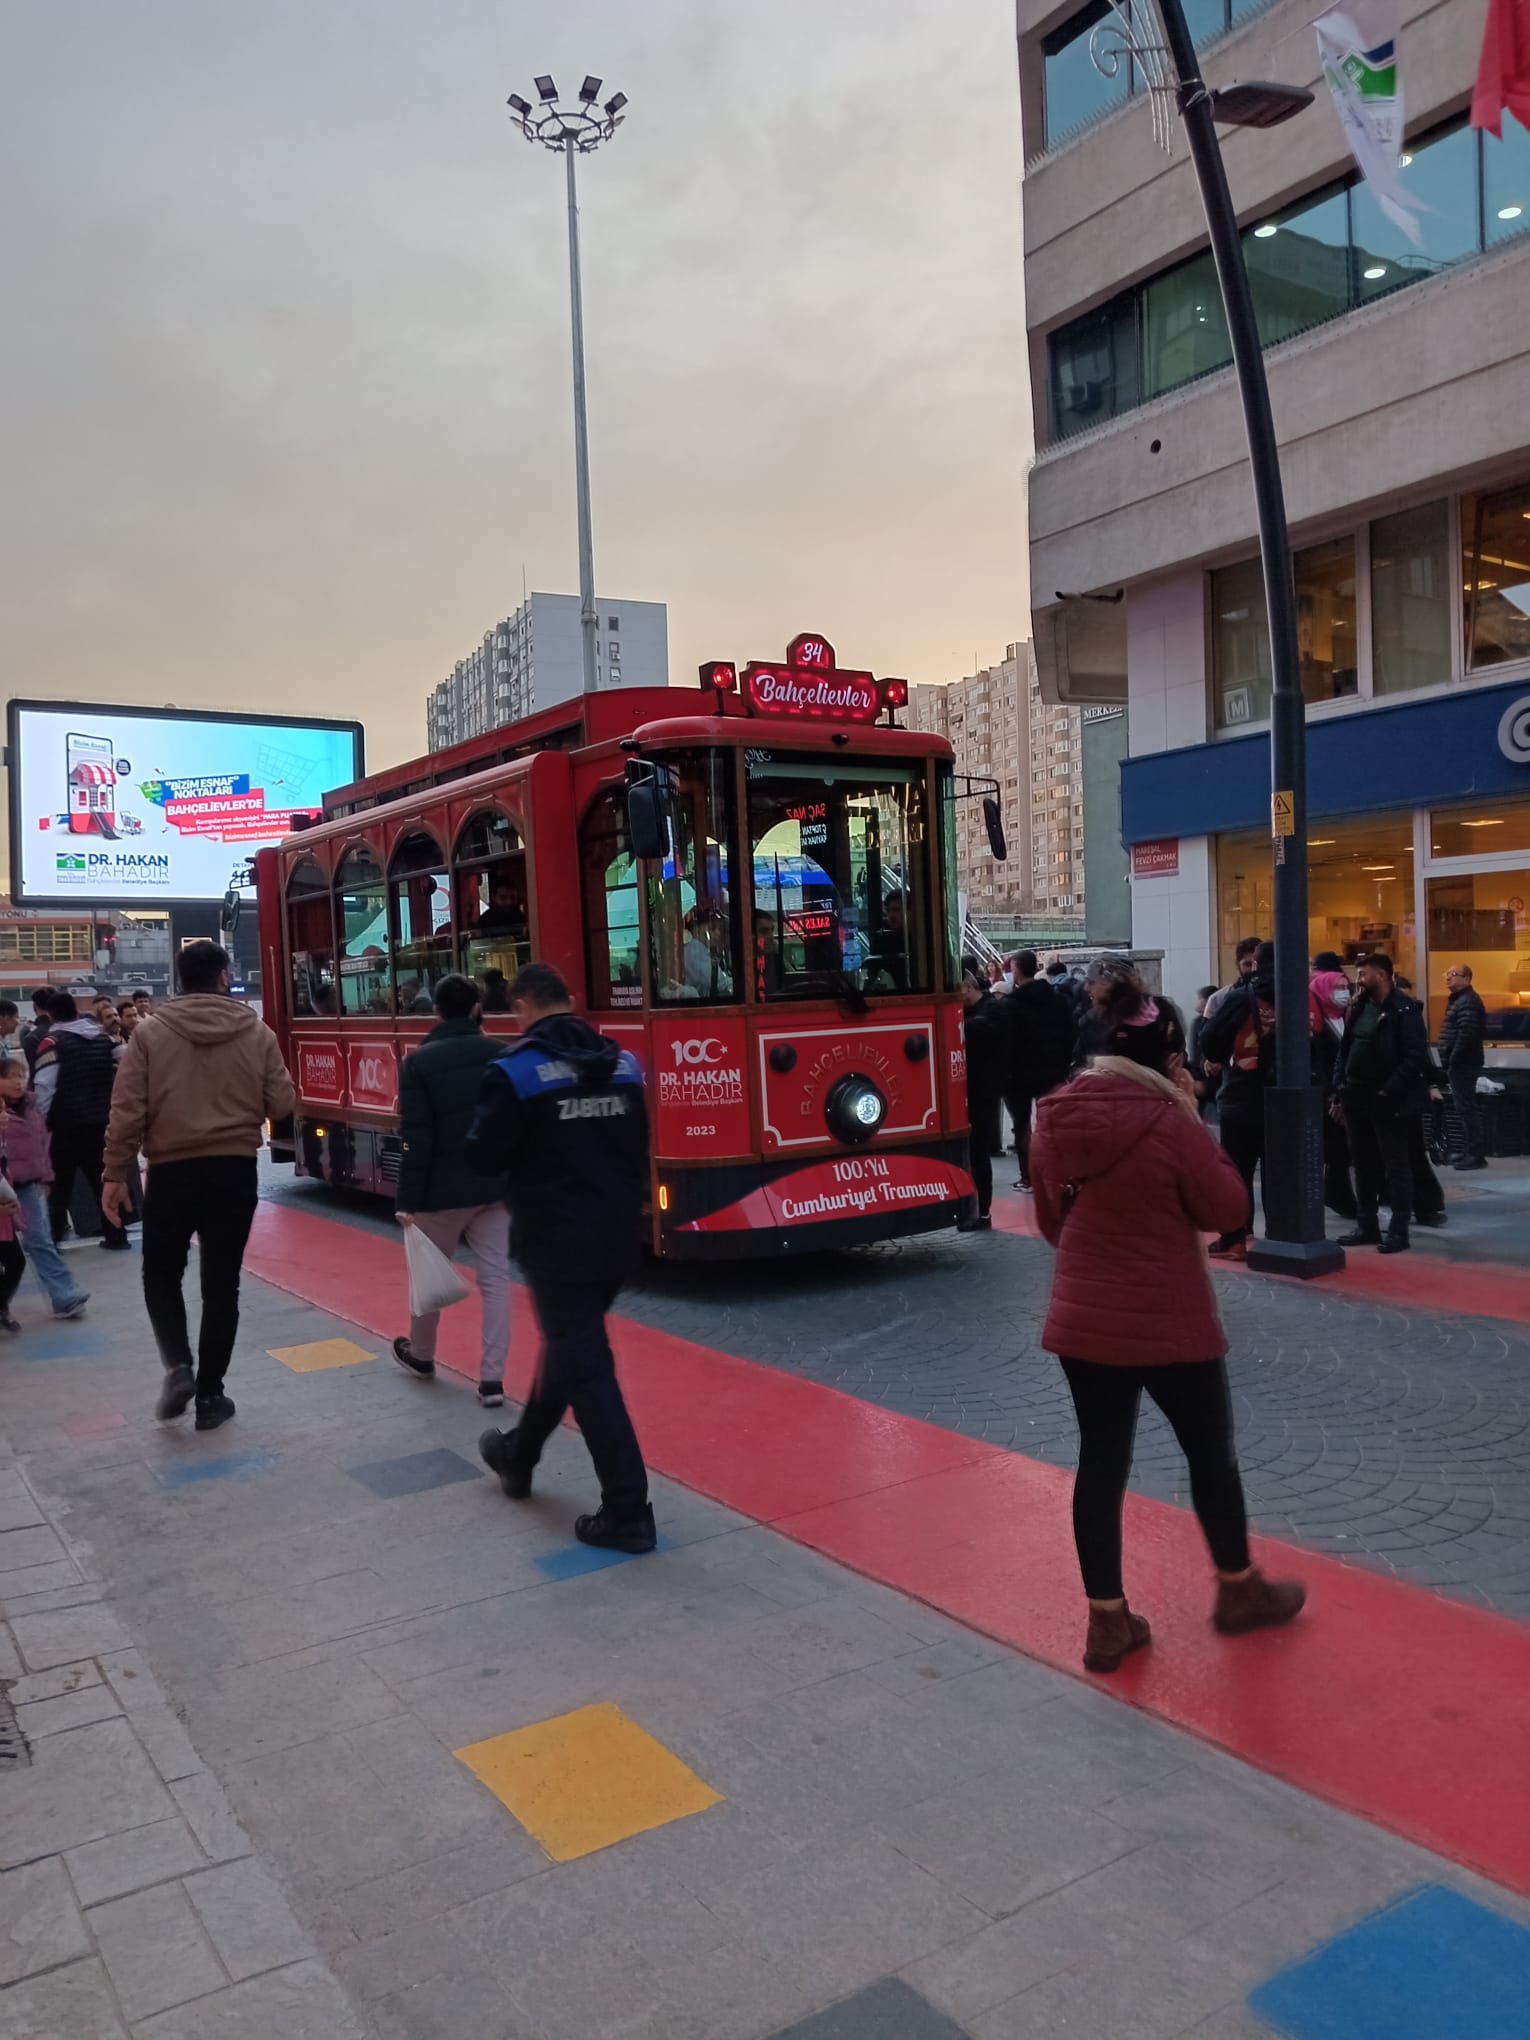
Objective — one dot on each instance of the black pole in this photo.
(1292, 1173)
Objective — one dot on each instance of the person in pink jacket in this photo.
(1127, 1182)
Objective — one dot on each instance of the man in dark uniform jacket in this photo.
(561, 1115)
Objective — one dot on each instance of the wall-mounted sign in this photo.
(1156, 860)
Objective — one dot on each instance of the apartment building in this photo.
(536, 658)
(1001, 729)
(1400, 379)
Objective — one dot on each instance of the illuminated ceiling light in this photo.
(1378, 867)
(1263, 233)
(1375, 272)
(1321, 842)
(1403, 162)
(1510, 212)
(1490, 822)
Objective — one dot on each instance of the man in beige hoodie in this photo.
(195, 1085)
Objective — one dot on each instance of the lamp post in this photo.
(572, 132)
(1295, 1241)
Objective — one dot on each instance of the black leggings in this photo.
(1194, 1396)
(13, 1265)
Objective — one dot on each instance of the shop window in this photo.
(1482, 920)
(612, 934)
(1495, 545)
(1076, 90)
(1503, 825)
(1360, 890)
(493, 915)
(1410, 599)
(1184, 329)
(1298, 266)
(1442, 175)
(1326, 625)
(311, 942)
(361, 903)
(1506, 182)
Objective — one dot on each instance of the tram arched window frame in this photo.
(365, 981)
(308, 906)
(422, 940)
(494, 954)
(611, 882)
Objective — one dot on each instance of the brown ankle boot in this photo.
(1256, 1603)
(1112, 1633)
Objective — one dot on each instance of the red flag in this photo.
(1503, 77)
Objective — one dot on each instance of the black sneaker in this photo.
(180, 1385)
(1394, 1243)
(491, 1395)
(631, 1530)
(494, 1450)
(422, 1370)
(120, 1245)
(213, 1410)
(8, 1323)
(1433, 1221)
(1362, 1236)
(1470, 1162)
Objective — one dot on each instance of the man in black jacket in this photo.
(1462, 1034)
(562, 1114)
(1382, 1080)
(1042, 1029)
(986, 1034)
(439, 1191)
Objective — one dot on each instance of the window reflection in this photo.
(311, 942)
(1442, 176)
(1075, 90)
(1184, 327)
(1482, 920)
(1360, 890)
(1094, 368)
(1326, 632)
(1495, 545)
(1298, 266)
(611, 905)
(1506, 182)
(361, 901)
(1410, 599)
(691, 914)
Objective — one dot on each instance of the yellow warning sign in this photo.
(1282, 815)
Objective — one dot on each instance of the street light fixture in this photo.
(1295, 1241)
(575, 131)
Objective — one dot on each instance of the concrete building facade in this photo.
(535, 658)
(1001, 729)
(1400, 379)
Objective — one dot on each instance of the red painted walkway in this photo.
(1409, 1709)
(1421, 1280)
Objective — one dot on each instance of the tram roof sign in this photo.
(809, 685)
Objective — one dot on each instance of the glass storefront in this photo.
(1473, 896)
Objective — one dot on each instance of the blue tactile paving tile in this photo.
(231, 1466)
(1432, 1966)
(587, 1558)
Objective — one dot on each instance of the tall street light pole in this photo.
(573, 132)
(1295, 1241)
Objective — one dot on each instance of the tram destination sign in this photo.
(810, 686)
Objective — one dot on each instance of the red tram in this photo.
(752, 886)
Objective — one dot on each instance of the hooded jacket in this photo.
(561, 1114)
(1127, 1180)
(73, 1073)
(1042, 1025)
(437, 1100)
(198, 1078)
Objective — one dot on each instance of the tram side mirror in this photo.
(648, 817)
(995, 820)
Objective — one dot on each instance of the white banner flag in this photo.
(1357, 47)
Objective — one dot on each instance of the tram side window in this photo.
(311, 943)
(361, 910)
(692, 917)
(610, 875)
(492, 910)
(840, 889)
(422, 922)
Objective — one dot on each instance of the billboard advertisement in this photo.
(137, 807)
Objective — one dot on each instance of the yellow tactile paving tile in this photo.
(585, 1780)
(318, 1354)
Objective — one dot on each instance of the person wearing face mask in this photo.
(1328, 997)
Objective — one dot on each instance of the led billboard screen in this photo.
(132, 807)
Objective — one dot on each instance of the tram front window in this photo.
(691, 916)
(840, 878)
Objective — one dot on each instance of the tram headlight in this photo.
(855, 1109)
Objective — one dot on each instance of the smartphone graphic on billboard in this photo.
(91, 776)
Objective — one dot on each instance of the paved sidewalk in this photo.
(246, 1662)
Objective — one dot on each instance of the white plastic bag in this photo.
(434, 1283)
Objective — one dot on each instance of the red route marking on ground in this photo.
(1418, 1280)
(1391, 1701)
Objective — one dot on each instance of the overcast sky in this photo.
(284, 365)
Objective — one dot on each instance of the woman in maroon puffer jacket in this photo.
(1127, 1180)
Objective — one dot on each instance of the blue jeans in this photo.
(64, 1293)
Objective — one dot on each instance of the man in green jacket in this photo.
(438, 1192)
